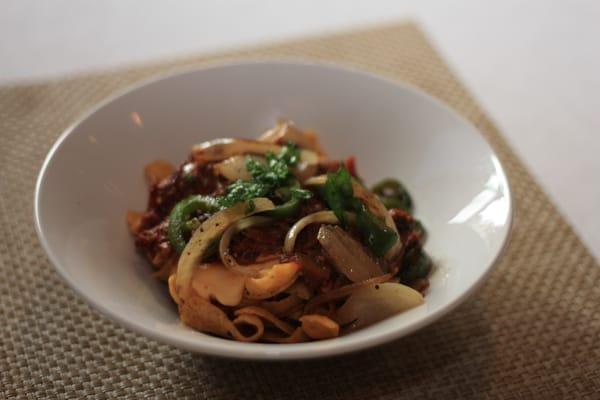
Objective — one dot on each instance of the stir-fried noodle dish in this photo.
(270, 241)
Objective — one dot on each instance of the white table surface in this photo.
(534, 65)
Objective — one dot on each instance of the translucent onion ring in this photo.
(323, 217)
(227, 259)
(372, 202)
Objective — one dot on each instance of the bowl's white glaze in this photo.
(93, 174)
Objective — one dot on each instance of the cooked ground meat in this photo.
(188, 179)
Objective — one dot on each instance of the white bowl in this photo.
(93, 174)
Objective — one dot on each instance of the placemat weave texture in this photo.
(531, 332)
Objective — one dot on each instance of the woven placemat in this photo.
(531, 332)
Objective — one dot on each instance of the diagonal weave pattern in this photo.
(531, 332)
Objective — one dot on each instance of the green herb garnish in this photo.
(266, 178)
(338, 193)
(339, 196)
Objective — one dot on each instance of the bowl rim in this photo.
(270, 352)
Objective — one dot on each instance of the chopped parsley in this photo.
(267, 177)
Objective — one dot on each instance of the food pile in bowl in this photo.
(268, 240)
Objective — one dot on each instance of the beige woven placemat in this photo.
(531, 332)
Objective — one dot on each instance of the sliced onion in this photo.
(234, 168)
(227, 259)
(323, 217)
(286, 131)
(373, 303)
(305, 170)
(347, 254)
(220, 149)
(204, 316)
(210, 231)
(372, 202)
(342, 292)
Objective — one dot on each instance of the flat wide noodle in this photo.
(372, 202)
(244, 321)
(298, 336)
(374, 303)
(204, 316)
(200, 314)
(267, 316)
(283, 307)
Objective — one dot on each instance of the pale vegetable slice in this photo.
(323, 217)
(373, 204)
(234, 168)
(200, 314)
(210, 231)
(245, 321)
(319, 326)
(272, 281)
(376, 302)
(215, 282)
(346, 254)
(286, 131)
(221, 149)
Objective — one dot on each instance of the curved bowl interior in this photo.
(94, 174)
